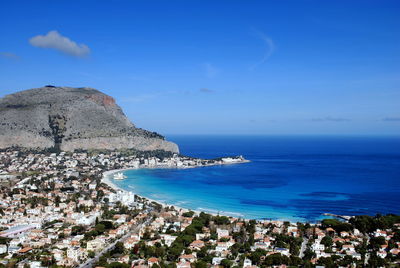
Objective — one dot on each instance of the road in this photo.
(303, 247)
(89, 263)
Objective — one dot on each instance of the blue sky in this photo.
(216, 67)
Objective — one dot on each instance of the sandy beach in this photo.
(108, 179)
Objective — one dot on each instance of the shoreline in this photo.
(107, 179)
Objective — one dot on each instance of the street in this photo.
(303, 247)
(89, 263)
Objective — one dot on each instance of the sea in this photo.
(294, 178)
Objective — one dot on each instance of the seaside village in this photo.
(56, 210)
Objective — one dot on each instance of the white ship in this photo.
(119, 176)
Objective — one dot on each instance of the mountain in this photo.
(71, 118)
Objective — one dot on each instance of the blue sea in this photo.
(288, 178)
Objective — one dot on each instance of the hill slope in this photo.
(71, 118)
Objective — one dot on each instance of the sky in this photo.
(216, 67)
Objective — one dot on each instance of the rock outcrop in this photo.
(68, 118)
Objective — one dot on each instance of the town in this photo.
(56, 210)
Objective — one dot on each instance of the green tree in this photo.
(276, 259)
(337, 225)
(200, 264)
(100, 228)
(118, 265)
(327, 241)
(77, 230)
(91, 254)
(188, 214)
(376, 242)
(221, 220)
(255, 256)
(119, 248)
(226, 263)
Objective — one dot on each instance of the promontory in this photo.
(68, 119)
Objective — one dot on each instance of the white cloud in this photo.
(56, 41)
(391, 119)
(9, 55)
(211, 70)
(206, 90)
(269, 48)
(330, 119)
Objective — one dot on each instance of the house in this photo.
(131, 242)
(24, 250)
(123, 229)
(3, 249)
(152, 261)
(57, 254)
(380, 233)
(258, 236)
(16, 231)
(82, 220)
(34, 264)
(217, 260)
(267, 241)
(112, 233)
(196, 245)
(260, 245)
(395, 251)
(183, 264)
(330, 231)
(188, 257)
(344, 234)
(246, 263)
(348, 248)
(283, 251)
(200, 236)
(73, 253)
(92, 186)
(292, 230)
(382, 254)
(95, 245)
(120, 218)
(317, 246)
(221, 246)
(13, 249)
(124, 259)
(222, 233)
(16, 242)
(356, 255)
(168, 239)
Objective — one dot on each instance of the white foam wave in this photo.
(214, 211)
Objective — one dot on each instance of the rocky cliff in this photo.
(71, 118)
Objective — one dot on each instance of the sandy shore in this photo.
(108, 179)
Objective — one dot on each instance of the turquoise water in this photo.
(291, 178)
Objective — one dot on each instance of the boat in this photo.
(119, 176)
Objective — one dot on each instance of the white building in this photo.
(317, 246)
(246, 263)
(222, 233)
(217, 260)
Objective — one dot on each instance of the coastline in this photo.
(107, 179)
(107, 175)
